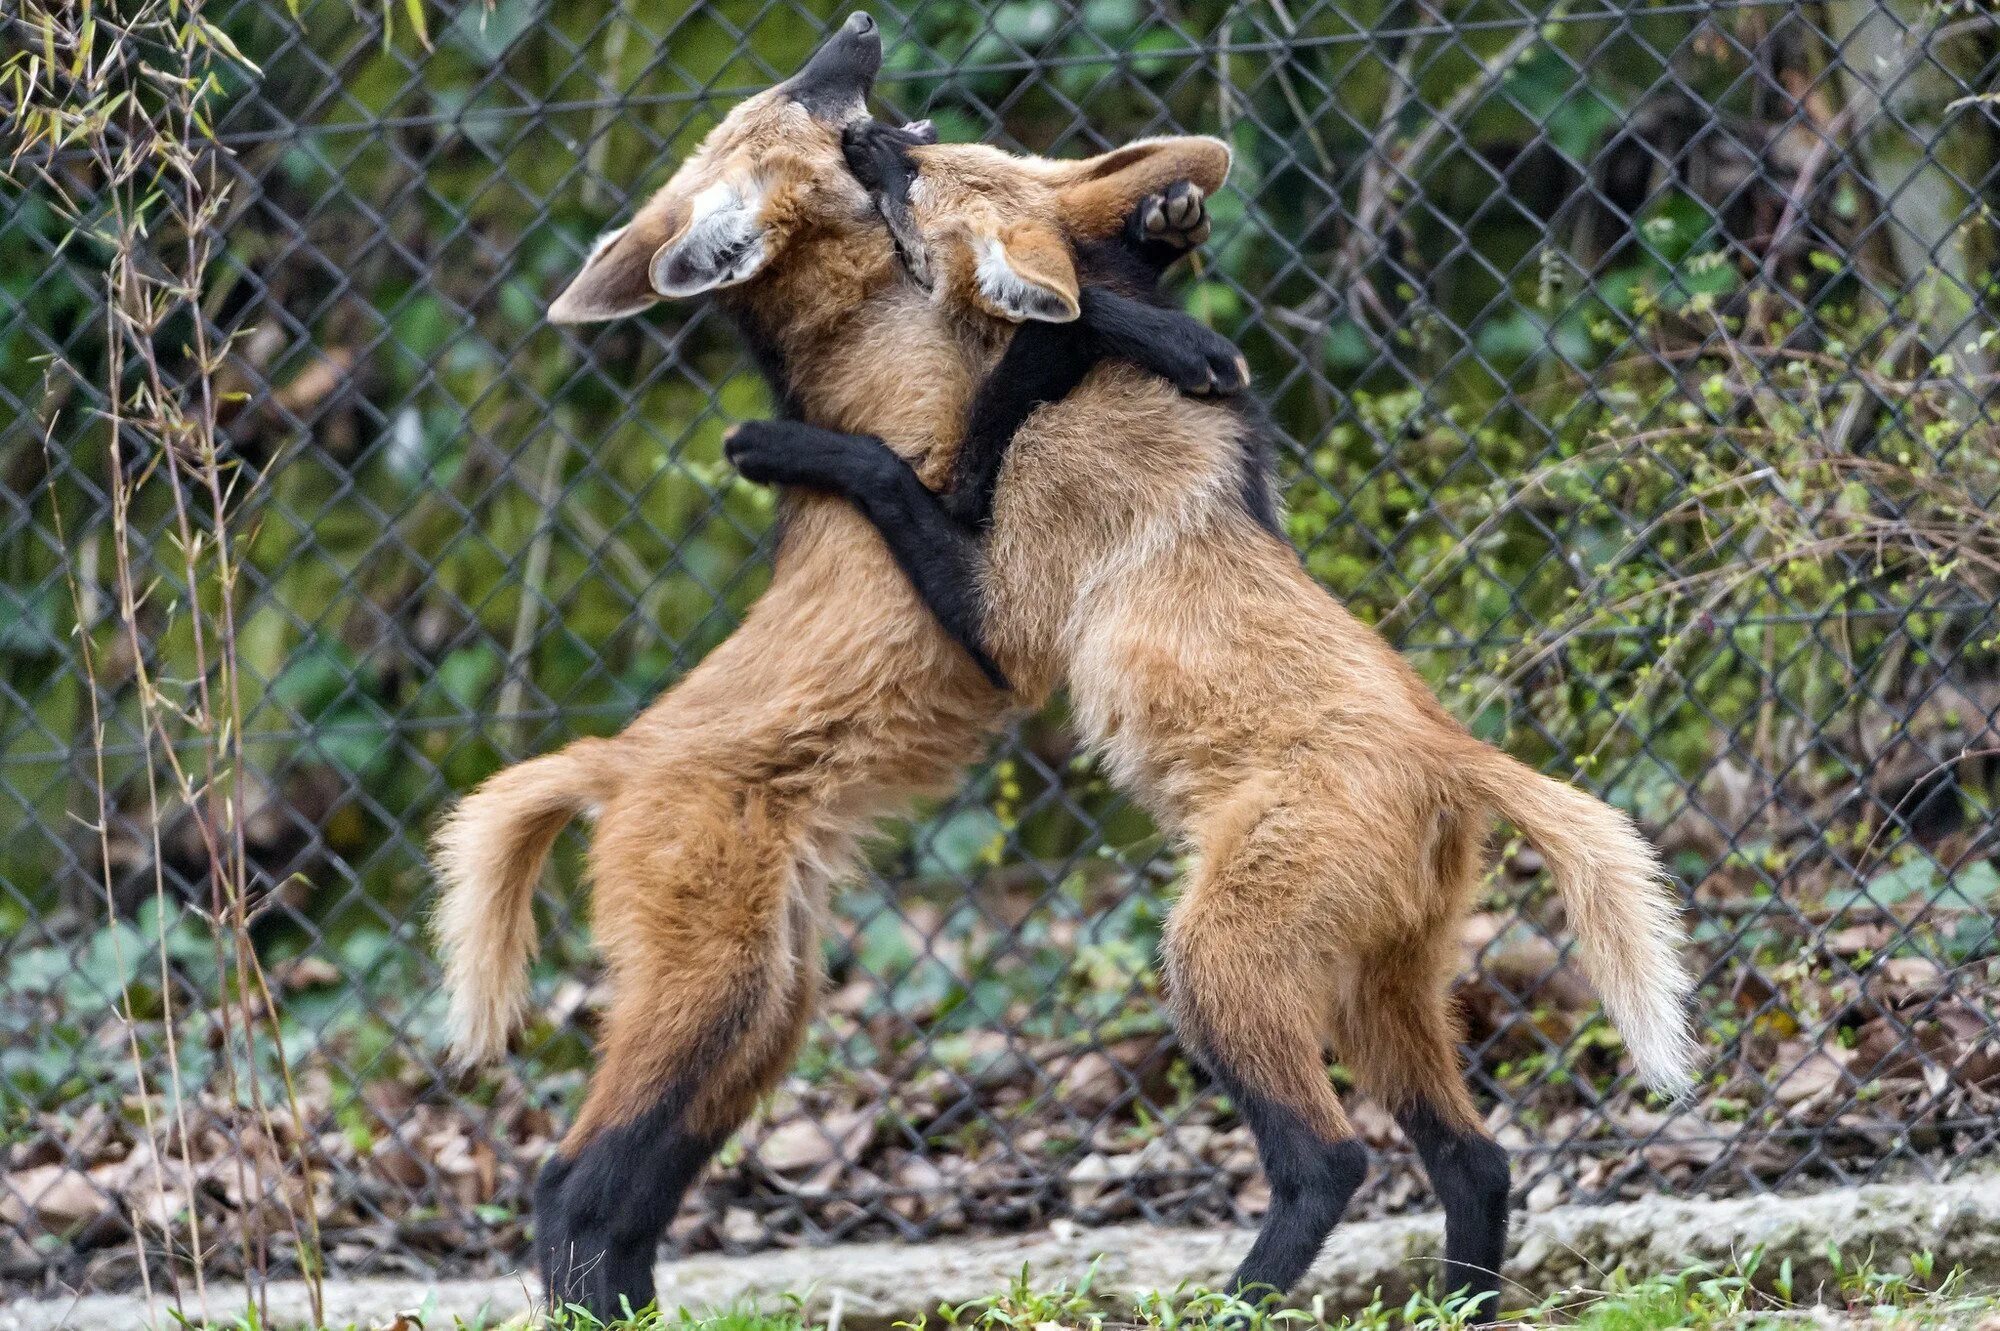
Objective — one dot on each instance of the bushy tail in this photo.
(1619, 906)
(488, 853)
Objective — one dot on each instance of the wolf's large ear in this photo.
(1099, 193)
(1024, 273)
(613, 282)
(673, 247)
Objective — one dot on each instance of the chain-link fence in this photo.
(1635, 367)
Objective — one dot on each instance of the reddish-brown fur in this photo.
(1336, 812)
(725, 811)
(837, 700)
(1251, 712)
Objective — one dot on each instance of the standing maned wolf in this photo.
(1337, 815)
(724, 811)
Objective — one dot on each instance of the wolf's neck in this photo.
(867, 353)
(795, 315)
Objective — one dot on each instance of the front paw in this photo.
(1178, 218)
(767, 454)
(878, 154)
(1201, 362)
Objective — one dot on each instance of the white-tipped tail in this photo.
(488, 854)
(1620, 909)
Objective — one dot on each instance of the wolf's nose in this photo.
(860, 24)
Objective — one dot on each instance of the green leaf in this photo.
(469, 673)
(415, 9)
(1028, 22)
(960, 845)
(312, 679)
(1977, 882)
(1916, 877)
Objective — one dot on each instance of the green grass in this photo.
(1748, 1295)
(743, 1318)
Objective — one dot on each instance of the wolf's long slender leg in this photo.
(1248, 1001)
(1396, 1030)
(715, 971)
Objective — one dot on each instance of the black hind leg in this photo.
(1247, 1000)
(642, 1136)
(1311, 1178)
(1468, 1172)
(599, 1216)
(1396, 1030)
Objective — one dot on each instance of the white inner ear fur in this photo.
(723, 243)
(1016, 296)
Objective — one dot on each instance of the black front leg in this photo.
(1121, 305)
(1042, 363)
(1190, 355)
(878, 156)
(938, 555)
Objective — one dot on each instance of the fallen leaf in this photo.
(59, 1198)
(807, 1143)
(1918, 973)
(1819, 1072)
(308, 973)
(1859, 938)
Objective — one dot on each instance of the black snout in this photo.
(835, 83)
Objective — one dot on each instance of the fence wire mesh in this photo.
(1635, 366)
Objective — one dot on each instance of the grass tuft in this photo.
(1746, 1295)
